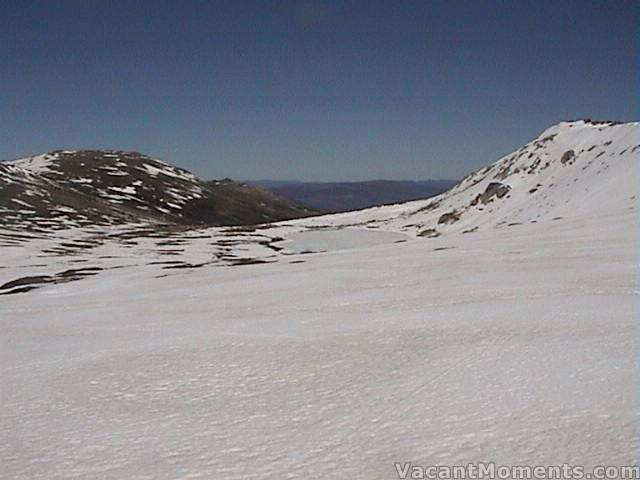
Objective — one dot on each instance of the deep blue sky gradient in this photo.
(311, 90)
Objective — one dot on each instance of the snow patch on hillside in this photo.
(36, 164)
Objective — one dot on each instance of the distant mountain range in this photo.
(347, 196)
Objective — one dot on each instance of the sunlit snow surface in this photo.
(513, 343)
(332, 239)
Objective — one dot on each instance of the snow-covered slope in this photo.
(578, 171)
(571, 170)
(333, 347)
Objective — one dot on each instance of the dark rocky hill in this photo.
(63, 189)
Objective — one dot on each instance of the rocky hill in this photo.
(64, 189)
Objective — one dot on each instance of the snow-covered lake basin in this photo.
(343, 239)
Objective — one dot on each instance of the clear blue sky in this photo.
(311, 90)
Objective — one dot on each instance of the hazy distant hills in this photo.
(346, 196)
